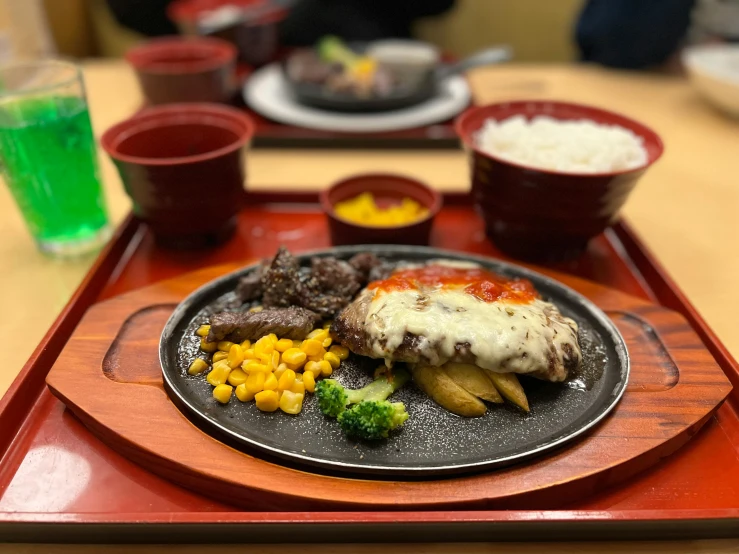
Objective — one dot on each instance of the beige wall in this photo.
(538, 30)
(24, 31)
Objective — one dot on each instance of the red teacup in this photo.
(182, 166)
(176, 69)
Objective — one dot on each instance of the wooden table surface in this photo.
(686, 208)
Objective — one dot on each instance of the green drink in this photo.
(49, 159)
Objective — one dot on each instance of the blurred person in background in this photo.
(307, 20)
(649, 34)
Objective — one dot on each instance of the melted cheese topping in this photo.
(503, 336)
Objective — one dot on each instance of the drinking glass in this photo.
(49, 156)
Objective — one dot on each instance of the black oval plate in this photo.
(432, 441)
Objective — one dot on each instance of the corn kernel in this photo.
(270, 383)
(316, 358)
(297, 344)
(311, 347)
(327, 342)
(291, 402)
(309, 382)
(267, 400)
(237, 377)
(256, 309)
(263, 346)
(299, 377)
(220, 363)
(235, 356)
(286, 380)
(220, 355)
(246, 345)
(283, 344)
(197, 366)
(266, 359)
(273, 338)
(206, 346)
(332, 358)
(255, 382)
(312, 367)
(249, 354)
(218, 375)
(341, 351)
(293, 356)
(295, 367)
(222, 393)
(327, 325)
(326, 368)
(253, 366)
(297, 387)
(275, 361)
(243, 394)
(225, 345)
(318, 334)
(203, 331)
(280, 370)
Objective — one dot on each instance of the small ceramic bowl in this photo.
(182, 166)
(540, 214)
(387, 190)
(714, 71)
(176, 69)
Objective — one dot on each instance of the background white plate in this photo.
(267, 92)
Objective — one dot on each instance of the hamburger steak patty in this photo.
(440, 326)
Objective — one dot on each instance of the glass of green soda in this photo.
(49, 157)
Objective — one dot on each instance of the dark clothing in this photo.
(307, 21)
(360, 20)
(148, 17)
(632, 34)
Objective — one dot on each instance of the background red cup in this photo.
(182, 166)
(177, 69)
(254, 31)
(545, 215)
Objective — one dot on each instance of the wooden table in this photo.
(685, 209)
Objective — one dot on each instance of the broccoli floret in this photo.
(372, 420)
(333, 398)
(333, 50)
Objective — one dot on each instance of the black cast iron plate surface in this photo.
(432, 441)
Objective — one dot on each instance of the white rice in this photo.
(577, 146)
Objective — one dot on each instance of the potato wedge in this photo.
(449, 395)
(508, 385)
(474, 380)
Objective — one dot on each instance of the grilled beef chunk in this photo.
(250, 286)
(370, 267)
(326, 289)
(331, 286)
(289, 323)
(281, 281)
(364, 262)
(336, 276)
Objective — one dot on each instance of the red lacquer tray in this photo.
(59, 483)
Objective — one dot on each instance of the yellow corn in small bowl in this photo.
(380, 209)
